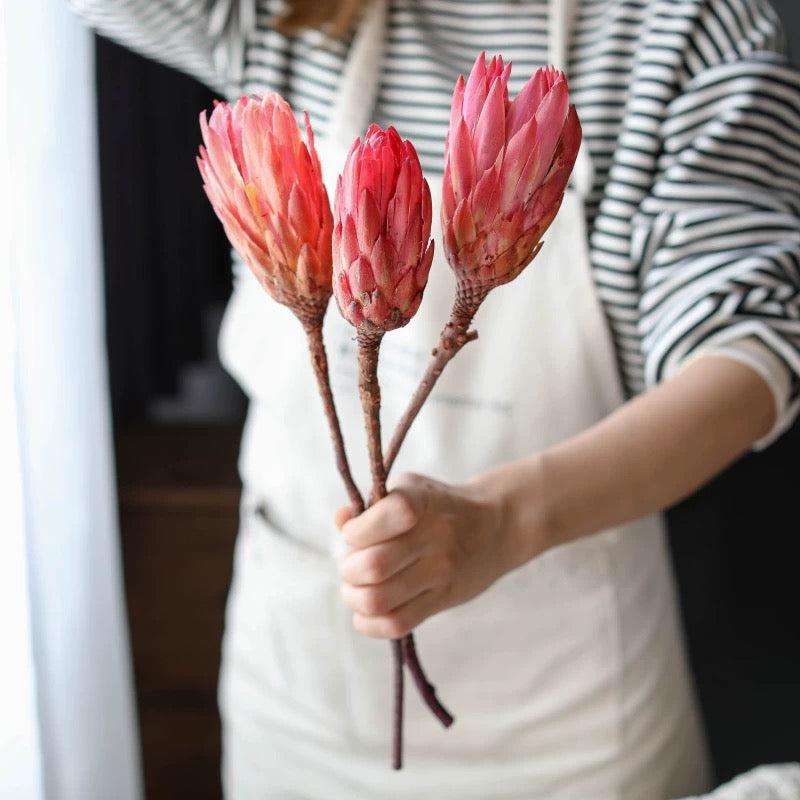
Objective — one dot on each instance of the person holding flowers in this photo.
(654, 339)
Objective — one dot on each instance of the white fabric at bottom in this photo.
(770, 782)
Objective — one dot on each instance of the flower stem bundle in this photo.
(507, 163)
(382, 255)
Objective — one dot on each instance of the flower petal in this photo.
(463, 224)
(457, 106)
(550, 118)
(462, 163)
(490, 133)
(475, 92)
(362, 281)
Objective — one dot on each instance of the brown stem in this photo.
(369, 341)
(397, 738)
(426, 689)
(319, 361)
(454, 336)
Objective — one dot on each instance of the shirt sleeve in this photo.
(718, 237)
(204, 38)
(761, 359)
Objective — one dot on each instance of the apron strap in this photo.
(561, 14)
(561, 18)
(358, 84)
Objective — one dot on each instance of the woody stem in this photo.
(425, 688)
(369, 341)
(455, 335)
(452, 338)
(319, 361)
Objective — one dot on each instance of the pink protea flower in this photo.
(506, 168)
(382, 255)
(265, 184)
(381, 238)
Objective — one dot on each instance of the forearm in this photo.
(429, 546)
(646, 456)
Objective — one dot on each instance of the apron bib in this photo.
(567, 676)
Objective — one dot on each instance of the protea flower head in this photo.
(506, 167)
(381, 238)
(265, 184)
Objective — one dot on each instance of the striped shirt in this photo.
(690, 112)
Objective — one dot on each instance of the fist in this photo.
(425, 547)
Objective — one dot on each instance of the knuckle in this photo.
(344, 568)
(446, 563)
(352, 531)
(362, 625)
(376, 566)
(406, 479)
(404, 512)
(372, 602)
(397, 626)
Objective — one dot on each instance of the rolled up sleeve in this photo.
(718, 237)
(204, 38)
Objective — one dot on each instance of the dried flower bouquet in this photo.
(507, 163)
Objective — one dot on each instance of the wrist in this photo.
(518, 512)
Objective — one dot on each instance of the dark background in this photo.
(790, 13)
(167, 279)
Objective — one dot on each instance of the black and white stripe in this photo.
(691, 115)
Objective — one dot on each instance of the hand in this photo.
(425, 547)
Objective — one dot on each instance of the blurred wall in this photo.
(790, 13)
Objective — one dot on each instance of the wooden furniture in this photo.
(178, 500)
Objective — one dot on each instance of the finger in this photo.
(401, 620)
(380, 562)
(383, 598)
(395, 514)
(342, 515)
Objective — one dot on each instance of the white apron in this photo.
(567, 677)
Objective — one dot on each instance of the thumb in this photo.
(342, 515)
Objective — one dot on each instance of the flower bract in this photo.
(265, 184)
(507, 163)
(382, 250)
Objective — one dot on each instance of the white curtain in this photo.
(67, 715)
